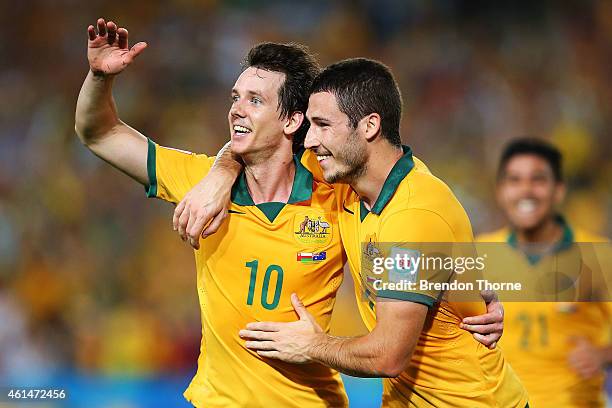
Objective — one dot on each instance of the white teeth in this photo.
(319, 158)
(526, 205)
(241, 129)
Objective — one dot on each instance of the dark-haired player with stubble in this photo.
(568, 343)
(385, 195)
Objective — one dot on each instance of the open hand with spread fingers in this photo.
(108, 51)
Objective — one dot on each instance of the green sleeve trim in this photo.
(151, 189)
(408, 296)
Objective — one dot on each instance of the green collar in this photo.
(399, 171)
(566, 240)
(300, 191)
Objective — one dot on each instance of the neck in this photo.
(550, 231)
(271, 178)
(382, 156)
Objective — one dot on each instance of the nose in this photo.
(312, 140)
(237, 109)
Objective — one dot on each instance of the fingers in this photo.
(487, 341)
(182, 224)
(193, 241)
(215, 224)
(270, 354)
(112, 32)
(488, 318)
(178, 211)
(256, 335)
(101, 27)
(483, 328)
(586, 369)
(122, 35)
(264, 326)
(299, 307)
(195, 225)
(91, 33)
(260, 345)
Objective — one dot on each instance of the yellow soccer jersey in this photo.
(246, 272)
(539, 336)
(449, 368)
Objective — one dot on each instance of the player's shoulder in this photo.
(423, 196)
(422, 190)
(499, 235)
(421, 187)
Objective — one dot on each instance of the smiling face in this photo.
(528, 192)
(340, 149)
(255, 125)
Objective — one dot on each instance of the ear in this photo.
(499, 192)
(371, 126)
(293, 123)
(560, 191)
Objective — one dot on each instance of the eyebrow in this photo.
(251, 93)
(319, 119)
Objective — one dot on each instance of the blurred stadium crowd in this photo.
(93, 279)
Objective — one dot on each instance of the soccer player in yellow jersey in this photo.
(281, 235)
(559, 349)
(414, 341)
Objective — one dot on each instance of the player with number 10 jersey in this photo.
(247, 271)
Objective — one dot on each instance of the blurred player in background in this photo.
(559, 350)
(355, 112)
(239, 279)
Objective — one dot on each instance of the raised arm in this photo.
(97, 123)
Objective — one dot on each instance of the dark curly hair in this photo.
(300, 68)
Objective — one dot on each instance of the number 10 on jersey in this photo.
(272, 269)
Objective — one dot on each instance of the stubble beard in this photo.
(354, 159)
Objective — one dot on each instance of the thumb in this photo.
(489, 296)
(138, 48)
(299, 307)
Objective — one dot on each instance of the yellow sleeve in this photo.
(426, 238)
(172, 172)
